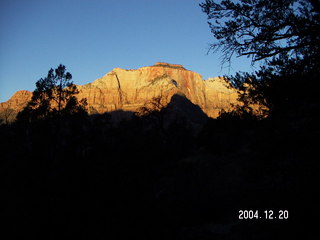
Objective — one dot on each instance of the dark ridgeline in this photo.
(174, 173)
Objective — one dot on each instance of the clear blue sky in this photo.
(91, 37)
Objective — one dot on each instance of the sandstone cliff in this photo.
(10, 108)
(129, 90)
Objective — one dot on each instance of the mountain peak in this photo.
(169, 65)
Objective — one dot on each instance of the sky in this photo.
(92, 37)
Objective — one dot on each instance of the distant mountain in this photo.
(129, 90)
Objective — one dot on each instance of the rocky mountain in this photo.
(10, 108)
(129, 90)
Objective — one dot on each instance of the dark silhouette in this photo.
(132, 179)
(54, 96)
(7, 115)
(270, 132)
(264, 29)
(285, 34)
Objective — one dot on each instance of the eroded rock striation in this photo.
(129, 90)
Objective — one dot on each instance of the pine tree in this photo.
(54, 96)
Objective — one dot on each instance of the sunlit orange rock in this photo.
(10, 108)
(129, 90)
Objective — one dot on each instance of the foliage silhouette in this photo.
(274, 147)
(279, 89)
(54, 96)
(7, 115)
(286, 34)
(263, 29)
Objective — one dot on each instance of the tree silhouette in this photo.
(263, 29)
(54, 96)
(153, 110)
(285, 34)
(7, 115)
(153, 106)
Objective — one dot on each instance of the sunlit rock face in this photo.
(18, 100)
(10, 108)
(129, 90)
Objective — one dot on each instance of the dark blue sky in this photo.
(91, 37)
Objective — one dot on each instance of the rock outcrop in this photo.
(129, 90)
(10, 108)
